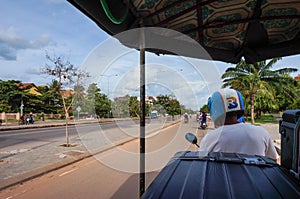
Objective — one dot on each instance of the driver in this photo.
(226, 107)
(203, 118)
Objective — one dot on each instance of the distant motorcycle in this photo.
(203, 125)
(29, 120)
(186, 119)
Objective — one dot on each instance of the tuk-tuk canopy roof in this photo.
(228, 30)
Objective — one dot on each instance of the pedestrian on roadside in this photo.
(23, 119)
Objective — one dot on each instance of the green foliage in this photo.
(51, 101)
(11, 96)
(265, 118)
(287, 95)
(103, 105)
(173, 107)
(120, 107)
(260, 85)
(204, 108)
(169, 104)
(91, 101)
(134, 107)
(4, 105)
(186, 110)
(94, 102)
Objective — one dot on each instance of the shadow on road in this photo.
(130, 188)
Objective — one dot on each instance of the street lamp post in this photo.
(108, 78)
(78, 109)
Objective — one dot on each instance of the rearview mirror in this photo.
(191, 138)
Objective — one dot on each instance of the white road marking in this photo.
(67, 172)
(17, 194)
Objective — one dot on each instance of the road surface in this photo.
(25, 150)
(110, 174)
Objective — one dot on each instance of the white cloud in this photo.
(11, 43)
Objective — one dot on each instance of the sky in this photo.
(30, 28)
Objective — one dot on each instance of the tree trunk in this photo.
(66, 120)
(252, 108)
(258, 114)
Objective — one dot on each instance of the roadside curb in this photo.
(21, 178)
(44, 125)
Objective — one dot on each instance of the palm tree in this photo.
(265, 101)
(287, 95)
(253, 78)
(52, 96)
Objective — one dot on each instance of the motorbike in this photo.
(29, 120)
(203, 125)
(186, 119)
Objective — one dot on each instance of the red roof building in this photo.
(30, 88)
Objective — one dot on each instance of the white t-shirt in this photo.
(239, 138)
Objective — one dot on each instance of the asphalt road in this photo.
(25, 150)
(110, 174)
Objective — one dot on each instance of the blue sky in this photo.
(29, 28)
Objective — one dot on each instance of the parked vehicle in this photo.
(153, 115)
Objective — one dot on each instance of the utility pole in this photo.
(21, 108)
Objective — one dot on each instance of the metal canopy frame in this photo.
(253, 30)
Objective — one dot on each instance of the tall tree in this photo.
(204, 108)
(51, 97)
(11, 96)
(287, 95)
(134, 106)
(89, 100)
(264, 101)
(171, 105)
(103, 105)
(120, 106)
(66, 75)
(251, 78)
(97, 102)
(174, 108)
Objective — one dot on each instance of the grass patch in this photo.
(265, 118)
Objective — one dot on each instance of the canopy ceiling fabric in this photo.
(227, 30)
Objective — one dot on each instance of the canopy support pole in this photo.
(142, 112)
